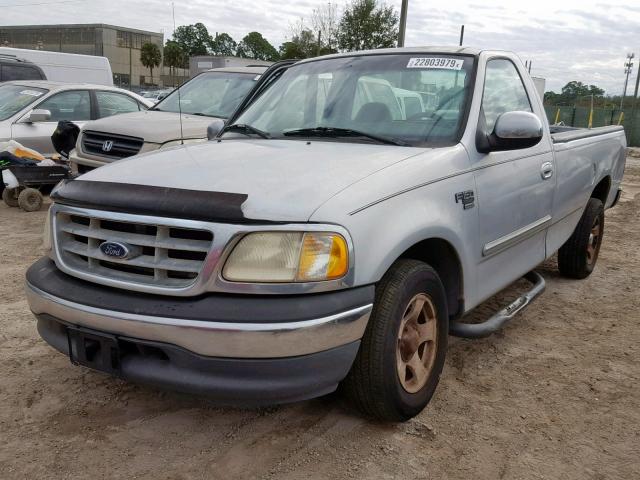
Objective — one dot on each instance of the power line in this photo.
(40, 3)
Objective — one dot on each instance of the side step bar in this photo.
(497, 321)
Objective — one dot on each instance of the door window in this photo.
(74, 105)
(111, 103)
(503, 91)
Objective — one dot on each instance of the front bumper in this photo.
(242, 349)
(79, 164)
(80, 161)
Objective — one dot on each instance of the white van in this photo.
(66, 67)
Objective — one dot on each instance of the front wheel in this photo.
(578, 256)
(403, 349)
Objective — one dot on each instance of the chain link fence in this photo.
(579, 117)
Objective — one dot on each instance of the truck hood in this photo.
(283, 180)
(153, 126)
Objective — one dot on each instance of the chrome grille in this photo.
(163, 255)
(119, 146)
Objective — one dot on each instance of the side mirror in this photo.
(515, 130)
(215, 128)
(39, 115)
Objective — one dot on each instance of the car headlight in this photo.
(288, 257)
(46, 237)
(186, 141)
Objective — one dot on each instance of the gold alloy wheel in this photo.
(594, 240)
(416, 348)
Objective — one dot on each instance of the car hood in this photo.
(153, 126)
(283, 180)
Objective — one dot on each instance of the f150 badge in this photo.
(467, 198)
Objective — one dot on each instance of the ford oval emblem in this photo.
(115, 249)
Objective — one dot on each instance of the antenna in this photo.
(173, 12)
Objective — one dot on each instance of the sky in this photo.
(585, 40)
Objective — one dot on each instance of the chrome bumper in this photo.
(215, 339)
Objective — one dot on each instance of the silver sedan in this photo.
(31, 110)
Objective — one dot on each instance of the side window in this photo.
(20, 72)
(503, 91)
(74, 105)
(111, 103)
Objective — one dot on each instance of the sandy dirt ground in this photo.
(556, 395)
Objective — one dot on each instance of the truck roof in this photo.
(383, 51)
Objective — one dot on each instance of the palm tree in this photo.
(150, 57)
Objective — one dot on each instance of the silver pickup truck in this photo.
(335, 232)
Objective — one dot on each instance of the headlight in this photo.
(187, 141)
(46, 237)
(288, 257)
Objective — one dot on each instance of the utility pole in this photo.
(627, 70)
(633, 105)
(461, 34)
(319, 42)
(403, 22)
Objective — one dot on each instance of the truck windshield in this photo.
(213, 94)
(14, 98)
(408, 99)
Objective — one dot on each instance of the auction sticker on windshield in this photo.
(434, 62)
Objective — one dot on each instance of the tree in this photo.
(150, 57)
(302, 45)
(365, 25)
(255, 46)
(174, 57)
(193, 39)
(573, 92)
(574, 89)
(223, 44)
(324, 19)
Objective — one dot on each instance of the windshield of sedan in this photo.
(14, 98)
(214, 94)
(408, 99)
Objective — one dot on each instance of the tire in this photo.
(374, 383)
(578, 256)
(30, 200)
(9, 197)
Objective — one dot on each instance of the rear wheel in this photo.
(578, 256)
(10, 197)
(30, 200)
(403, 349)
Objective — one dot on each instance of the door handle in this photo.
(546, 170)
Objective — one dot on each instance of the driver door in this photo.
(514, 191)
(72, 105)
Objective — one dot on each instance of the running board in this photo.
(497, 321)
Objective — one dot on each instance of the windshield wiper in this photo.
(200, 114)
(333, 132)
(246, 129)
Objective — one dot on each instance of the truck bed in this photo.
(562, 134)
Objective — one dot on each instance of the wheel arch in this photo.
(444, 259)
(602, 189)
